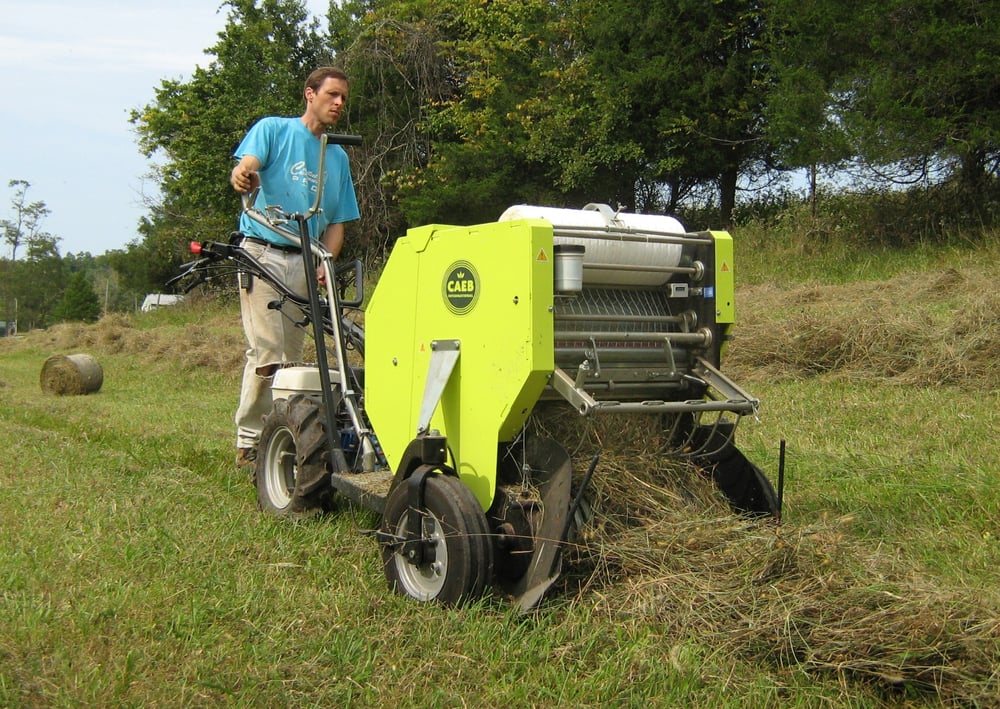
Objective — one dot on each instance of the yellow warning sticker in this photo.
(542, 256)
(725, 267)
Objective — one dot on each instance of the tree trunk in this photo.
(812, 191)
(727, 196)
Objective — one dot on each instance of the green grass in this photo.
(790, 252)
(916, 468)
(137, 571)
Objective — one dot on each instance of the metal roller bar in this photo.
(690, 270)
(617, 318)
(631, 388)
(671, 407)
(620, 356)
(683, 338)
(586, 404)
(613, 376)
(627, 234)
(616, 305)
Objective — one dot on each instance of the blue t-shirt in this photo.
(289, 158)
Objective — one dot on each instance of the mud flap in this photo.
(552, 470)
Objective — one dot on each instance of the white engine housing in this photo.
(299, 380)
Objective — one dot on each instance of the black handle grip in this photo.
(342, 139)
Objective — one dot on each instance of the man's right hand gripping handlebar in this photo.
(244, 178)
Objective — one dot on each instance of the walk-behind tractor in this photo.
(471, 331)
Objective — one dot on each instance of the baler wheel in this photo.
(462, 551)
(292, 476)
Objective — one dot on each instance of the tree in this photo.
(901, 84)
(565, 102)
(145, 266)
(261, 62)
(458, 83)
(392, 52)
(37, 281)
(26, 225)
(928, 86)
(79, 302)
(476, 162)
(691, 77)
(811, 47)
(33, 282)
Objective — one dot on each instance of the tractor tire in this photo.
(463, 554)
(292, 474)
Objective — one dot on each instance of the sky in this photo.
(70, 73)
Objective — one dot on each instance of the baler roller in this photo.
(702, 338)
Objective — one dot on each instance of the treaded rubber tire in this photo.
(292, 474)
(463, 566)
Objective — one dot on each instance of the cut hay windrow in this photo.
(216, 345)
(931, 329)
(662, 544)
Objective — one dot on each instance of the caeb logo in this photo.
(461, 287)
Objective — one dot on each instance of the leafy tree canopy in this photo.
(261, 62)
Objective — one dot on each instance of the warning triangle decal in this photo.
(725, 267)
(542, 256)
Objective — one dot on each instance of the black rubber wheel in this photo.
(462, 566)
(292, 474)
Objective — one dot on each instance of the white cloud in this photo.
(70, 72)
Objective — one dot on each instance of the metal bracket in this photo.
(572, 392)
(733, 398)
(418, 547)
(739, 400)
(444, 356)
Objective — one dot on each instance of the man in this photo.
(281, 156)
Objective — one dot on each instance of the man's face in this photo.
(327, 102)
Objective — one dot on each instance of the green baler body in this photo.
(488, 288)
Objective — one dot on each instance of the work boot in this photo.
(246, 458)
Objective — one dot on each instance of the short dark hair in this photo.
(318, 76)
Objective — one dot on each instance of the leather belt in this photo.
(280, 247)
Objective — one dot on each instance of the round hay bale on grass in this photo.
(71, 375)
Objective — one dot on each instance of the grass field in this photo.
(137, 571)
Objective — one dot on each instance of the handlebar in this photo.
(342, 139)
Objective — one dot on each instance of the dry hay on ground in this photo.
(217, 344)
(927, 329)
(663, 545)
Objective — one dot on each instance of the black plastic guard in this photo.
(554, 474)
(743, 483)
